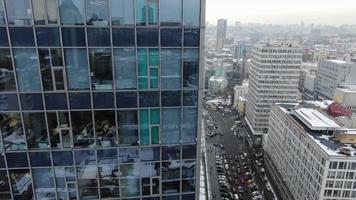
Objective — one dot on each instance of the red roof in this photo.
(336, 110)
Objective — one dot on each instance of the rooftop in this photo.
(348, 88)
(337, 61)
(314, 119)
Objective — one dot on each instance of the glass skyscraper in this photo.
(99, 99)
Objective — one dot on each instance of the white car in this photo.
(226, 166)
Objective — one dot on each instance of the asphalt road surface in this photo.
(233, 146)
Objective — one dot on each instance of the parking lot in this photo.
(236, 172)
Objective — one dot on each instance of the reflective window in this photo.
(2, 13)
(189, 151)
(171, 152)
(101, 69)
(147, 37)
(146, 12)
(73, 37)
(191, 37)
(128, 127)
(149, 126)
(21, 184)
(123, 37)
(36, 130)
(79, 100)
(44, 183)
(62, 158)
(126, 99)
(87, 182)
(56, 101)
(188, 196)
(171, 126)
(52, 72)
(191, 68)
(65, 182)
(107, 156)
(148, 64)
(97, 12)
(99, 37)
(8, 102)
(129, 155)
(190, 118)
(77, 69)
(85, 157)
(150, 154)
(125, 68)
(172, 197)
(47, 36)
(188, 186)
(59, 130)
(149, 99)
(171, 98)
(129, 170)
(31, 101)
(130, 187)
(171, 70)
(12, 131)
(105, 128)
(45, 11)
(122, 12)
(190, 98)
(15, 160)
(103, 100)
(5, 186)
(188, 168)
(40, 159)
(7, 78)
(171, 37)
(82, 127)
(191, 12)
(3, 36)
(171, 177)
(18, 12)
(71, 11)
(26, 65)
(170, 12)
(22, 36)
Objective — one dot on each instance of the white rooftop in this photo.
(337, 61)
(314, 119)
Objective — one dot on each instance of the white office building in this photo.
(274, 77)
(309, 154)
(346, 95)
(331, 74)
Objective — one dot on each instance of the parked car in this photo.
(240, 189)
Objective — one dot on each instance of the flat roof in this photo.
(314, 119)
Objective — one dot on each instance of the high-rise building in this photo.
(99, 98)
(221, 33)
(274, 77)
(331, 74)
(309, 154)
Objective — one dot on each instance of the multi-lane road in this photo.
(233, 146)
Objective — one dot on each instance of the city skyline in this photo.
(282, 11)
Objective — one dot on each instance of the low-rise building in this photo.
(309, 154)
(346, 95)
(217, 84)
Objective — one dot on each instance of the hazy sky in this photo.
(333, 12)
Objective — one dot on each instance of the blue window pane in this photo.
(171, 133)
(146, 12)
(7, 79)
(56, 101)
(99, 37)
(26, 65)
(22, 36)
(2, 14)
(126, 99)
(16, 160)
(189, 151)
(97, 12)
(77, 69)
(191, 37)
(48, 37)
(3, 37)
(190, 98)
(150, 154)
(123, 37)
(191, 68)
(149, 99)
(171, 98)
(71, 11)
(45, 11)
(147, 37)
(79, 101)
(190, 118)
(40, 159)
(171, 197)
(85, 157)
(171, 37)
(122, 12)
(171, 68)
(73, 37)
(31, 101)
(18, 12)
(171, 12)
(107, 156)
(9, 102)
(191, 12)
(2, 161)
(128, 127)
(129, 155)
(103, 100)
(62, 158)
(101, 68)
(125, 68)
(171, 153)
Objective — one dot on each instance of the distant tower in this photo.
(221, 33)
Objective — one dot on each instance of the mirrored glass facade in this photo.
(99, 99)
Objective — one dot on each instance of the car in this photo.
(259, 163)
(226, 166)
(255, 193)
(215, 144)
(240, 189)
(228, 173)
(225, 161)
(235, 175)
(236, 197)
(236, 158)
(268, 187)
(230, 156)
(257, 197)
(233, 168)
(221, 146)
(253, 187)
